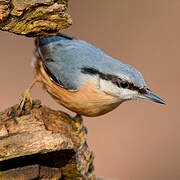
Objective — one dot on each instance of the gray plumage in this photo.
(64, 58)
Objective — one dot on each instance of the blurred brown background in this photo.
(140, 140)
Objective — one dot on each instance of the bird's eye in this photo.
(124, 84)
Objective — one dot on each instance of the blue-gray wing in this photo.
(64, 59)
(65, 77)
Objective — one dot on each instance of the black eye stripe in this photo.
(114, 79)
(124, 84)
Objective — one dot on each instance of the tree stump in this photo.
(41, 143)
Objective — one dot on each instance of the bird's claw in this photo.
(25, 98)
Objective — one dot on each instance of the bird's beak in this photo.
(151, 96)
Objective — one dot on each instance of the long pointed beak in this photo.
(151, 96)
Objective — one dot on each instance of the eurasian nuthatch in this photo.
(83, 78)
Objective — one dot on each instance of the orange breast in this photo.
(88, 101)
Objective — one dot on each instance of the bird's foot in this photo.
(24, 99)
(26, 96)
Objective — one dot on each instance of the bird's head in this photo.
(126, 83)
(131, 85)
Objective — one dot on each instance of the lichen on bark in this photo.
(34, 18)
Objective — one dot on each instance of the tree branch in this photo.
(34, 18)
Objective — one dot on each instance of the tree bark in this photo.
(41, 143)
(34, 17)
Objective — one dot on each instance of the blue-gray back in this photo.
(65, 57)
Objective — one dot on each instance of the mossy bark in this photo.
(34, 18)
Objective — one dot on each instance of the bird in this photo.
(83, 78)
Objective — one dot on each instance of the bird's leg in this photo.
(26, 95)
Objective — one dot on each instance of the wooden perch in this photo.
(34, 18)
(41, 143)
